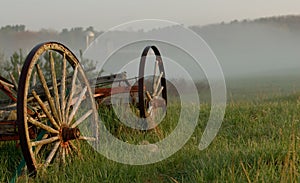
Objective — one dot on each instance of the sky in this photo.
(104, 14)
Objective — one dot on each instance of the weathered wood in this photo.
(79, 121)
(63, 155)
(51, 155)
(45, 110)
(77, 104)
(72, 146)
(54, 82)
(8, 128)
(109, 79)
(157, 83)
(63, 88)
(13, 80)
(9, 137)
(159, 92)
(47, 92)
(73, 85)
(155, 70)
(41, 125)
(148, 95)
(7, 105)
(45, 141)
(5, 83)
(3, 80)
(7, 88)
(33, 79)
(69, 151)
(116, 90)
(38, 148)
(8, 115)
(87, 138)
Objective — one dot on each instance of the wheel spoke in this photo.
(6, 84)
(47, 92)
(87, 138)
(77, 104)
(41, 125)
(38, 148)
(13, 80)
(63, 155)
(73, 86)
(72, 146)
(34, 79)
(45, 141)
(79, 121)
(45, 110)
(149, 110)
(54, 82)
(155, 70)
(58, 155)
(52, 153)
(63, 87)
(157, 83)
(160, 91)
(69, 150)
(148, 95)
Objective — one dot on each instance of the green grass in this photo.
(258, 142)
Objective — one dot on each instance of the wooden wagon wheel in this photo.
(154, 96)
(55, 110)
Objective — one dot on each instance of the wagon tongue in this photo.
(70, 133)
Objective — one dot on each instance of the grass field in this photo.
(258, 142)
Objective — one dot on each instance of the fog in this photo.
(261, 48)
(254, 49)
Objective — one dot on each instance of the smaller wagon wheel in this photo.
(56, 109)
(152, 92)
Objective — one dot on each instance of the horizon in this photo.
(188, 26)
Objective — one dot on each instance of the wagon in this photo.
(53, 105)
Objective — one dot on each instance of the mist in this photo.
(261, 51)
(246, 49)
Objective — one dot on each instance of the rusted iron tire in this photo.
(144, 90)
(55, 109)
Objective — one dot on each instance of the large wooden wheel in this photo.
(56, 108)
(152, 93)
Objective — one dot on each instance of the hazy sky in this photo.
(103, 14)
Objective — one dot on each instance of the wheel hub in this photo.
(70, 133)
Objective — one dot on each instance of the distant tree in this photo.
(77, 29)
(90, 28)
(234, 21)
(14, 65)
(14, 28)
(88, 65)
(64, 31)
(2, 63)
(11, 68)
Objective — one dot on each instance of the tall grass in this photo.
(258, 142)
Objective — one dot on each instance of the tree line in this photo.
(15, 37)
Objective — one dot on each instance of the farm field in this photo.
(258, 142)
